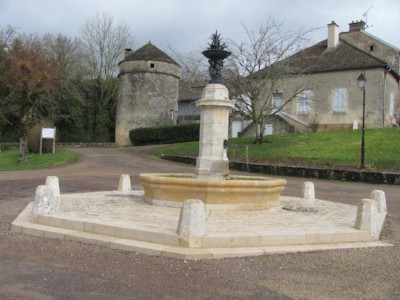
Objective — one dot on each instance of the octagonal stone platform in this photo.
(122, 220)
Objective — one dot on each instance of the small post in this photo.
(124, 183)
(41, 142)
(367, 217)
(53, 183)
(45, 202)
(47, 198)
(308, 191)
(308, 194)
(192, 223)
(380, 198)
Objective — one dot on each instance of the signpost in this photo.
(48, 133)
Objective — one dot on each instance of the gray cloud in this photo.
(187, 24)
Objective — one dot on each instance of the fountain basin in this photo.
(235, 192)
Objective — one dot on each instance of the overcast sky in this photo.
(188, 24)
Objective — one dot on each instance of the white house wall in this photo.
(322, 114)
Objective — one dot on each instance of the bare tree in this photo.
(258, 67)
(65, 52)
(103, 43)
(7, 36)
(193, 65)
(68, 99)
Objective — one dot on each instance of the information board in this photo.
(47, 133)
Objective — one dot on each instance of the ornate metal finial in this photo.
(216, 42)
(216, 54)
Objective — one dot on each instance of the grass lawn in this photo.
(324, 149)
(9, 160)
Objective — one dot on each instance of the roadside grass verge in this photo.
(333, 149)
(9, 160)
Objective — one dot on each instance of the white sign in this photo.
(48, 133)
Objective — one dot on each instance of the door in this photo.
(268, 130)
(237, 126)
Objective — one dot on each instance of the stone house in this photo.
(334, 100)
(147, 92)
(189, 93)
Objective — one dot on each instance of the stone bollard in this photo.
(192, 223)
(45, 202)
(380, 198)
(308, 190)
(308, 194)
(124, 183)
(53, 183)
(367, 217)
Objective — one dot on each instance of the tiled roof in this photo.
(318, 58)
(150, 52)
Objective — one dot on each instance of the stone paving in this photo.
(115, 218)
(118, 208)
(129, 208)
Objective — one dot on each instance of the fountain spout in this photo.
(216, 54)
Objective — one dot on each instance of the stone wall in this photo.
(351, 175)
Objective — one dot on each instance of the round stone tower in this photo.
(148, 91)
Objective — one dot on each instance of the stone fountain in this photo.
(211, 183)
(207, 214)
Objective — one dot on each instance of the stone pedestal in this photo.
(214, 125)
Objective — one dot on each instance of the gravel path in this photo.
(36, 268)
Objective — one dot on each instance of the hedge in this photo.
(165, 134)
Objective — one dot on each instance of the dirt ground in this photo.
(37, 268)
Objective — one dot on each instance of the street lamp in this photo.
(361, 81)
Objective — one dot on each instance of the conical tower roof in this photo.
(150, 52)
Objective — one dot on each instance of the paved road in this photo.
(35, 268)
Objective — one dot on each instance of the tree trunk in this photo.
(23, 133)
(259, 133)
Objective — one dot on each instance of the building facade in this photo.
(330, 69)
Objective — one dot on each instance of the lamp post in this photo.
(361, 81)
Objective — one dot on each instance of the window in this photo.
(152, 65)
(304, 106)
(339, 100)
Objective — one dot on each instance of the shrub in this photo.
(8, 146)
(165, 134)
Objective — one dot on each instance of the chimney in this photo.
(333, 34)
(357, 26)
(127, 51)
